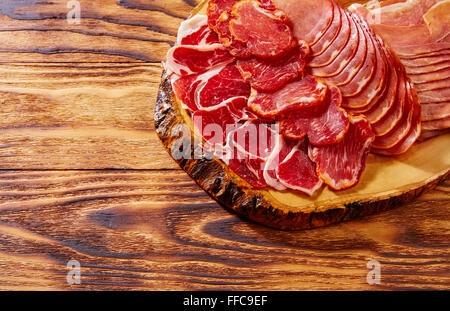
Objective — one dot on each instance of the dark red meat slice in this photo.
(306, 92)
(298, 172)
(336, 46)
(195, 31)
(331, 33)
(324, 124)
(340, 165)
(235, 48)
(265, 32)
(338, 62)
(271, 74)
(401, 128)
(212, 123)
(249, 146)
(314, 15)
(184, 88)
(226, 83)
(254, 139)
(187, 59)
(280, 151)
(216, 8)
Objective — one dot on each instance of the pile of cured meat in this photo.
(419, 33)
(292, 94)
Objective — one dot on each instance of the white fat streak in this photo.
(272, 163)
(190, 26)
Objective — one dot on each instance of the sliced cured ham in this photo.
(281, 150)
(298, 172)
(195, 31)
(324, 124)
(235, 48)
(330, 34)
(265, 32)
(364, 60)
(212, 123)
(336, 45)
(340, 165)
(315, 14)
(337, 63)
(216, 8)
(226, 83)
(419, 33)
(249, 146)
(408, 141)
(184, 88)
(306, 92)
(270, 74)
(435, 111)
(436, 124)
(190, 59)
(395, 112)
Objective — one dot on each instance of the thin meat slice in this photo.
(306, 92)
(216, 8)
(432, 67)
(435, 111)
(431, 76)
(331, 33)
(374, 113)
(195, 31)
(298, 172)
(235, 48)
(324, 124)
(394, 12)
(436, 124)
(395, 113)
(265, 32)
(339, 62)
(271, 74)
(190, 59)
(249, 146)
(340, 165)
(360, 93)
(425, 61)
(337, 45)
(408, 141)
(281, 150)
(310, 18)
(364, 60)
(401, 128)
(226, 83)
(427, 134)
(184, 88)
(212, 123)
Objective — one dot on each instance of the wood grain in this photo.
(83, 176)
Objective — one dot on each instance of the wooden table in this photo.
(84, 177)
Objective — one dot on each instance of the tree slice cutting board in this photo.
(386, 182)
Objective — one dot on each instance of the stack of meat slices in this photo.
(345, 52)
(419, 33)
(240, 72)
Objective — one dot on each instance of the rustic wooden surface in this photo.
(84, 177)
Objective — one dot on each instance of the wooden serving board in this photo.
(83, 176)
(386, 182)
